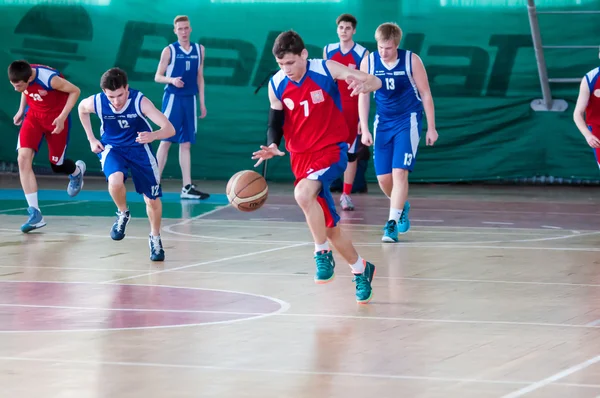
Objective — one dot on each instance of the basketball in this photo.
(247, 190)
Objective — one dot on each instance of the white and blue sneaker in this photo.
(118, 229)
(35, 220)
(76, 183)
(157, 252)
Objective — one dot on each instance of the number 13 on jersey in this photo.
(390, 83)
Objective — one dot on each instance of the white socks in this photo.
(359, 266)
(321, 247)
(395, 214)
(32, 200)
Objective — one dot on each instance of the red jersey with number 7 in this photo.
(313, 118)
(42, 99)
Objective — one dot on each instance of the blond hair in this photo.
(180, 18)
(389, 31)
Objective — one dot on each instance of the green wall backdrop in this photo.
(478, 55)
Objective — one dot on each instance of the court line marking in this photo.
(219, 260)
(290, 274)
(429, 210)
(594, 323)
(432, 245)
(282, 371)
(52, 205)
(284, 306)
(552, 379)
(337, 316)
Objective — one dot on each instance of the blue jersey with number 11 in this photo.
(121, 128)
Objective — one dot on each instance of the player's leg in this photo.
(188, 138)
(351, 116)
(30, 138)
(383, 153)
(362, 270)
(170, 108)
(57, 149)
(146, 178)
(115, 167)
(406, 144)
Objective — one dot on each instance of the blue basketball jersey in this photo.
(398, 95)
(120, 128)
(184, 65)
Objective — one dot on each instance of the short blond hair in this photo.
(389, 31)
(180, 18)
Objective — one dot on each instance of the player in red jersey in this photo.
(49, 98)
(588, 103)
(350, 54)
(306, 110)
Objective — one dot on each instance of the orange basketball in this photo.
(247, 190)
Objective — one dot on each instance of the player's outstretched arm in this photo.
(166, 128)
(358, 81)
(60, 84)
(364, 107)
(274, 132)
(579, 112)
(201, 82)
(85, 108)
(422, 82)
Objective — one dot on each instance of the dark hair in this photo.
(113, 79)
(288, 42)
(19, 71)
(346, 18)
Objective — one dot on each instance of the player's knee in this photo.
(400, 176)
(67, 167)
(303, 195)
(185, 145)
(116, 179)
(352, 157)
(153, 203)
(24, 159)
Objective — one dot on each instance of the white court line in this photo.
(594, 323)
(206, 262)
(550, 227)
(44, 206)
(282, 371)
(552, 379)
(431, 245)
(497, 223)
(297, 275)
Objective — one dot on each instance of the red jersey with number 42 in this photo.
(351, 59)
(313, 117)
(41, 97)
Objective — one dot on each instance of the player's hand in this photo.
(266, 152)
(59, 124)
(366, 138)
(177, 82)
(18, 118)
(431, 137)
(145, 137)
(592, 141)
(96, 146)
(202, 111)
(357, 86)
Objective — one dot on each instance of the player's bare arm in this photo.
(364, 107)
(18, 118)
(166, 129)
(420, 76)
(358, 81)
(579, 112)
(201, 83)
(60, 84)
(274, 133)
(161, 70)
(84, 109)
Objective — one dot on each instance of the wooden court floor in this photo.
(494, 292)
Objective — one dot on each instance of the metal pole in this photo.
(539, 53)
